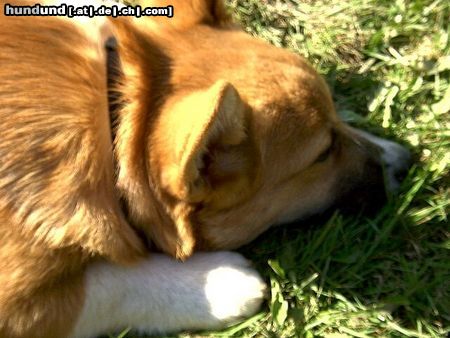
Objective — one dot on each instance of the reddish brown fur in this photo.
(213, 122)
(57, 200)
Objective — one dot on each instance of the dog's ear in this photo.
(190, 12)
(211, 118)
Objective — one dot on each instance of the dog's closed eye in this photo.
(325, 154)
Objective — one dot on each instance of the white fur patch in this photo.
(208, 291)
(394, 157)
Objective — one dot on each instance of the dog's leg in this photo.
(208, 291)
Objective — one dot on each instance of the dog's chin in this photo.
(355, 207)
(365, 197)
(360, 199)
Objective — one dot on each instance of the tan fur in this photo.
(216, 140)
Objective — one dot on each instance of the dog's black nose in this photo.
(397, 162)
(394, 158)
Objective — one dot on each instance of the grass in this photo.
(388, 65)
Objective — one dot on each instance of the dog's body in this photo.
(218, 137)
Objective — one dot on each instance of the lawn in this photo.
(388, 65)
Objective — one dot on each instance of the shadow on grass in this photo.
(396, 264)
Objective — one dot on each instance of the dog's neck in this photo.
(129, 97)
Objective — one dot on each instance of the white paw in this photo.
(233, 289)
(207, 291)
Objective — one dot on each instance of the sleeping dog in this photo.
(134, 151)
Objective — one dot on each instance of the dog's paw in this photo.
(160, 294)
(233, 288)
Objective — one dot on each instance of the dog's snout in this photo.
(400, 166)
(401, 173)
(364, 193)
(384, 165)
(394, 158)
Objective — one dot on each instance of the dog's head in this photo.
(239, 135)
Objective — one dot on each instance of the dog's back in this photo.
(57, 204)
